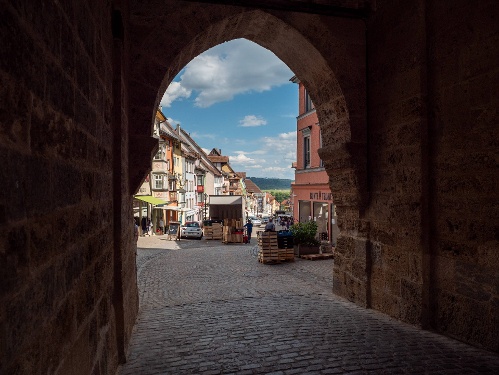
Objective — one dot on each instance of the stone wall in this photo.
(61, 250)
(397, 137)
(463, 85)
(433, 100)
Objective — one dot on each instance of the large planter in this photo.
(306, 249)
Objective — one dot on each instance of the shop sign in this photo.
(325, 196)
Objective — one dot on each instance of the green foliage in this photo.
(271, 183)
(304, 233)
(280, 195)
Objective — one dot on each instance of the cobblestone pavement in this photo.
(209, 308)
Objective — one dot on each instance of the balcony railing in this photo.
(199, 189)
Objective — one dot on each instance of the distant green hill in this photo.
(271, 183)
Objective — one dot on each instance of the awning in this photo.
(150, 199)
(226, 199)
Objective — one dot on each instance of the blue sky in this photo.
(237, 97)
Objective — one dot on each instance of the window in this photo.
(158, 181)
(308, 102)
(200, 180)
(160, 155)
(306, 151)
(172, 185)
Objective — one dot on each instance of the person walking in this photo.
(249, 229)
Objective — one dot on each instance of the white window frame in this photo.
(159, 181)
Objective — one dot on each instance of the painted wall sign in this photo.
(325, 196)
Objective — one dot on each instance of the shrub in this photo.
(304, 233)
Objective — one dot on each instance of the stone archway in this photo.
(330, 61)
(416, 182)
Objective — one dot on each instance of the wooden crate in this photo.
(317, 256)
(213, 232)
(268, 250)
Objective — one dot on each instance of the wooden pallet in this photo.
(275, 256)
(317, 256)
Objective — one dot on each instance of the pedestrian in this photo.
(149, 226)
(270, 227)
(162, 226)
(135, 230)
(143, 224)
(249, 229)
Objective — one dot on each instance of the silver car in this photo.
(255, 221)
(191, 229)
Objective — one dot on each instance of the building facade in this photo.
(310, 194)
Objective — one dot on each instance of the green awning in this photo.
(150, 199)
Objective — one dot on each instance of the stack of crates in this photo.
(268, 249)
(233, 231)
(217, 231)
(285, 244)
(212, 231)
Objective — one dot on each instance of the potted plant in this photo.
(304, 238)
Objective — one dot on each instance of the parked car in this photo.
(191, 229)
(265, 219)
(256, 221)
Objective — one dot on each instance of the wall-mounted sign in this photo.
(325, 196)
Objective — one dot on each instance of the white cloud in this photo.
(241, 158)
(252, 152)
(226, 70)
(283, 145)
(252, 120)
(175, 91)
(273, 159)
(197, 135)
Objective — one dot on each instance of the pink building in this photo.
(311, 197)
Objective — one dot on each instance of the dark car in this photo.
(191, 229)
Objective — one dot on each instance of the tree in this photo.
(280, 195)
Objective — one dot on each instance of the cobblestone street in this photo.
(209, 308)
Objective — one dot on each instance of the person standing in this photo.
(249, 229)
(162, 226)
(143, 224)
(270, 227)
(149, 227)
(135, 231)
